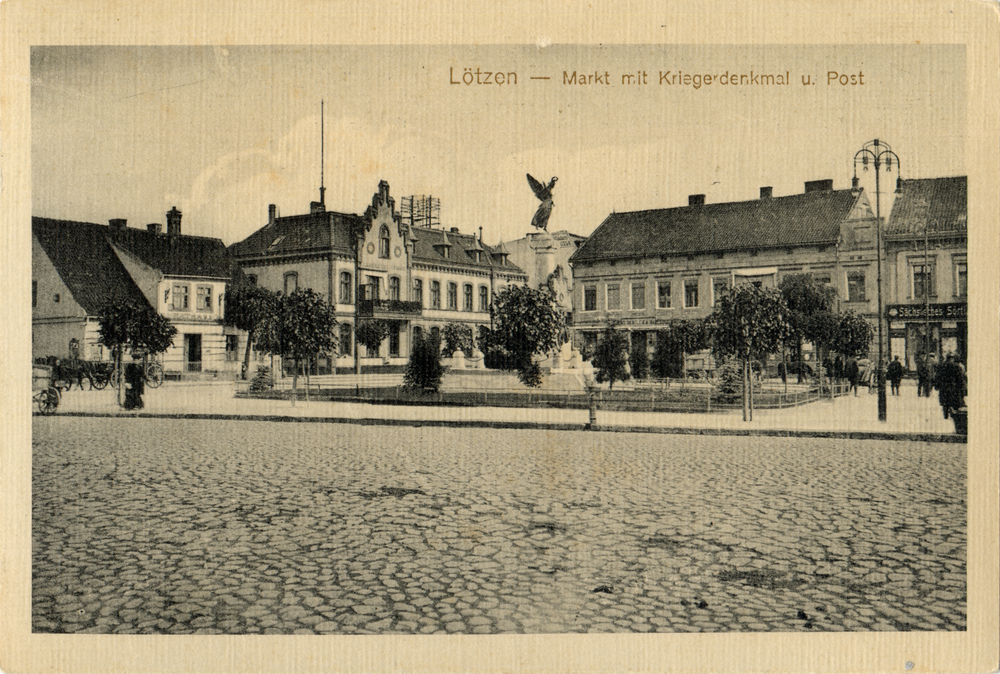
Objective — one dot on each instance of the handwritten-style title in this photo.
(672, 78)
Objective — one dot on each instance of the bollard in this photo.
(593, 411)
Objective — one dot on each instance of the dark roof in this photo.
(297, 234)
(812, 218)
(941, 202)
(175, 255)
(85, 262)
(428, 248)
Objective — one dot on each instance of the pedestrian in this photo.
(931, 373)
(895, 375)
(950, 383)
(922, 380)
(853, 375)
(135, 386)
(865, 373)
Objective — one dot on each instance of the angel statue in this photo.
(544, 193)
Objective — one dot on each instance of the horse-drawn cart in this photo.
(44, 393)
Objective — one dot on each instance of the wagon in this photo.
(44, 394)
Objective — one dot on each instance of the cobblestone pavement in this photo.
(198, 526)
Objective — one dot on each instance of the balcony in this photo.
(388, 309)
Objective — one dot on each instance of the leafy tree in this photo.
(639, 360)
(423, 370)
(805, 298)
(370, 333)
(854, 335)
(137, 327)
(749, 323)
(611, 356)
(730, 384)
(527, 322)
(457, 337)
(297, 326)
(680, 338)
(246, 306)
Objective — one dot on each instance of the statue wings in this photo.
(544, 194)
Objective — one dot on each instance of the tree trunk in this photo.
(246, 357)
(295, 381)
(801, 361)
(308, 367)
(746, 382)
(751, 394)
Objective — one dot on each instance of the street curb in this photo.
(528, 425)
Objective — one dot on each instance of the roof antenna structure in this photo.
(322, 189)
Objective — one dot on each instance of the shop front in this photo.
(918, 329)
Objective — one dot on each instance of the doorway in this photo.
(192, 352)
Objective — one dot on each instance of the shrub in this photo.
(424, 370)
(730, 378)
(262, 380)
(457, 337)
(639, 361)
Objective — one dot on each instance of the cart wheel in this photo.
(154, 375)
(100, 382)
(48, 400)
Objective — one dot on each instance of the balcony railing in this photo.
(370, 308)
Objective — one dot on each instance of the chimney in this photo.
(454, 230)
(154, 228)
(819, 186)
(173, 222)
(272, 213)
(117, 224)
(696, 200)
(316, 207)
(765, 192)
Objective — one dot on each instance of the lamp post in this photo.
(877, 152)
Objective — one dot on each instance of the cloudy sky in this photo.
(221, 132)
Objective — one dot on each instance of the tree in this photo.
(854, 335)
(805, 298)
(246, 306)
(749, 322)
(297, 326)
(639, 360)
(457, 337)
(527, 322)
(124, 324)
(673, 344)
(423, 370)
(611, 356)
(370, 333)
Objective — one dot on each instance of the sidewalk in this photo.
(908, 417)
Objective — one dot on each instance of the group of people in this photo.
(948, 379)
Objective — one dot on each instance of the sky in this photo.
(221, 132)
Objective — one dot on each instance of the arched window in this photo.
(345, 287)
(484, 298)
(453, 296)
(467, 297)
(435, 294)
(383, 242)
(418, 292)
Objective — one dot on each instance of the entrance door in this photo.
(192, 352)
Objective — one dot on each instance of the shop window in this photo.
(394, 288)
(690, 294)
(346, 289)
(663, 294)
(855, 286)
(291, 282)
(418, 292)
(484, 298)
(435, 294)
(638, 296)
(613, 297)
(467, 297)
(180, 298)
(590, 298)
(453, 296)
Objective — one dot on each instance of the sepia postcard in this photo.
(500, 337)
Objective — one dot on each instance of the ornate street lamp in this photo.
(877, 153)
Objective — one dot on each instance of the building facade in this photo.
(375, 266)
(78, 268)
(644, 269)
(927, 263)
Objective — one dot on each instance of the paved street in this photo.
(208, 526)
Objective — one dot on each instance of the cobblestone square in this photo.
(172, 526)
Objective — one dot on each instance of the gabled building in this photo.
(927, 289)
(644, 269)
(376, 266)
(78, 268)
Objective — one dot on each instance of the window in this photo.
(467, 297)
(435, 294)
(690, 294)
(394, 288)
(346, 333)
(922, 281)
(614, 300)
(961, 279)
(484, 298)
(374, 287)
(638, 296)
(232, 345)
(663, 294)
(291, 282)
(590, 298)
(418, 334)
(821, 278)
(204, 301)
(180, 302)
(418, 292)
(55, 298)
(453, 296)
(345, 287)
(719, 287)
(383, 242)
(34, 294)
(252, 278)
(855, 286)
(394, 339)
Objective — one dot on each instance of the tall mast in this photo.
(322, 189)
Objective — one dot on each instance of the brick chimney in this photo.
(173, 222)
(696, 200)
(819, 186)
(272, 214)
(765, 192)
(117, 224)
(154, 228)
